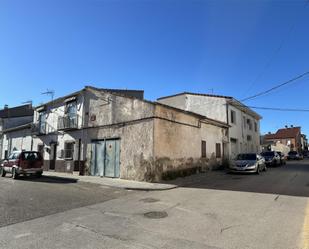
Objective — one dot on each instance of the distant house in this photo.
(15, 129)
(289, 136)
(271, 145)
(243, 122)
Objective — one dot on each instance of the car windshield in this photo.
(14, 155)
(246, 157)
(268, 153)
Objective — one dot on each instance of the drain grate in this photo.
(156, 215)
(149, 200)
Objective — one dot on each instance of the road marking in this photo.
(305, 234)
(22, 235)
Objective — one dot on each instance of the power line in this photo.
(279, 109)
(274, 108)
(276, 52)
(276, 87)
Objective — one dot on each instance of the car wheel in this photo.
(38, 174)
(14, 173)
(258, 170)
(2, 172)
(265, 168)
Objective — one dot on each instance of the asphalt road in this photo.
(290, 179)
(215, 210)
(30, 197)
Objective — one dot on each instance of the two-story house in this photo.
(289, 136)
(15, 129)
(244, 123)
(116, 133)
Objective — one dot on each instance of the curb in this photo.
(166, 186)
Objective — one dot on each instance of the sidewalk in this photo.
(112, 182)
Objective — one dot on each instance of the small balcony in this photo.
(68, 122)
(39, 128)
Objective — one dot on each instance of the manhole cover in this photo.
(149, 200)
(156, 215)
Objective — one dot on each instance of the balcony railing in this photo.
(68, 122)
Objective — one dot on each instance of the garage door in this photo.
(105, 158)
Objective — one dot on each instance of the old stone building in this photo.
(243, 122)
(116, 133)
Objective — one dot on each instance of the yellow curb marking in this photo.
(305, 235)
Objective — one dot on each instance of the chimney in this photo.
(286, 126)
(269, 133)
(6, 106)
(292, 126)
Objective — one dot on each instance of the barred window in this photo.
(203, 149)
(218, 150)
(69, 150)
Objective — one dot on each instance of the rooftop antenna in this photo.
(51, 93)
(212, 90)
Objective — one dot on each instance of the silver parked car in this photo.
(248, 163)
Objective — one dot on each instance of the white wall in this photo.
(211, 107)
(53, 112)
(216, 108)
(16, 140)
(240, 131)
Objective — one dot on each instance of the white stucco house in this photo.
(15, 129)
(244, 123)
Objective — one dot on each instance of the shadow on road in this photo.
(291, 179)
(48, 179)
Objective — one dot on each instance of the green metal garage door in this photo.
(105, 158)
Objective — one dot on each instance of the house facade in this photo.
(289, 136)
(244, 123)
(116, 133)
(15, 129)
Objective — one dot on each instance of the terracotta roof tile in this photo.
(284, 133)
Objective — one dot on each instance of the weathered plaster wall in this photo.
(179, 101)
(210, 107)
(105, 109)
(177, 143)
(216, 108)
(136, 146)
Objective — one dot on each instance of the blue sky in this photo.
(235, 48)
